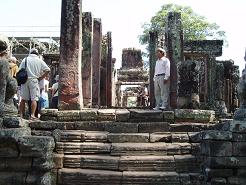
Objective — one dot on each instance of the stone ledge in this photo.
(200, 116)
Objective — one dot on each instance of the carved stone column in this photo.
(153, 37)
(109, 70)
(174, 52)
(96, 61)
(87, 58)
(70, 84)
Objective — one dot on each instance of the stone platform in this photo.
(126, 146)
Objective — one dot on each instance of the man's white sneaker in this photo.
(156, 108)
(162, 108)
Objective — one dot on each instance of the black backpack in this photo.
(21, 75)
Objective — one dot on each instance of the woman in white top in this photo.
(44, 97)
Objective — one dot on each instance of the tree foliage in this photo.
(195, 27)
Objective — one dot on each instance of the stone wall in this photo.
(224, 152)
(26, 159)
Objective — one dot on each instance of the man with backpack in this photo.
(36, 69)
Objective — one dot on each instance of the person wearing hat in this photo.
(37, 69)
(161, 80)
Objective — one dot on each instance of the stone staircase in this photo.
(119, 147)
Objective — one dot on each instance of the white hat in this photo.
(34, 51)
(161, 49)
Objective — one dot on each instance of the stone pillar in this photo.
(175, 52)
(70, 84)
(96, 61)
(87, 58)
(103, 72)
(153, 37)
(109, 71)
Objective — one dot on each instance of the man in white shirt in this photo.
(37, 69)
(162, 80)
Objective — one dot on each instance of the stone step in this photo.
(101, 177)
(122, 127)
(82, 148)
(86, 176)
(119, 149)
(135, 115)
(80, 136)
(178, 163)
(101, 136)
(160, 148)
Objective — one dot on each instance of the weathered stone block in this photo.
(181, 127)
(77, 148)
(151, 127)
(99, 162)
(122, 115)
(155, 178)
(194, 137)
(216, 148)
(90, 125)
(168, 116)
(187, 164)
(180, 138)
(106, 115)
(225, 162)
(121, 127)
(194, 115)
(48, 118)
(239, 148)
(41, 133)
(96, 136)
(15, 132)
(52, 125)
(68, 115)
(58, 161)
(88, 114)
(139, 149)
(49, 112)
(140, 115)
(84, 176)
(147, 163)
(128, 137)
(36, 146)
(216, 135)
(15, 122)
(160, 137)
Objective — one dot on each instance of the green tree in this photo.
(195, 27)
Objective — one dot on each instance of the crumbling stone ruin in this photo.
(131, 73)
(131, 146)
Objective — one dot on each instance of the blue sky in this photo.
(124, 19)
